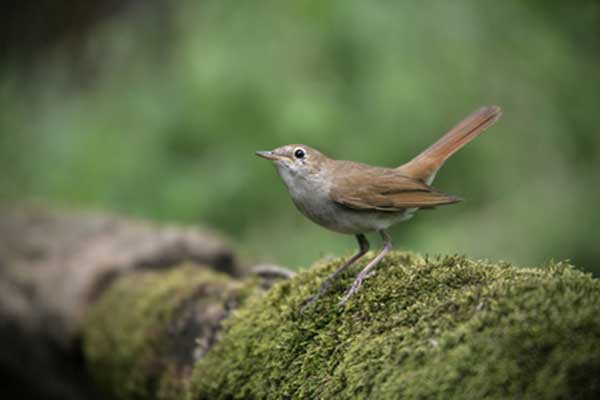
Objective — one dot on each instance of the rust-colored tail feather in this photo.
(425, 165)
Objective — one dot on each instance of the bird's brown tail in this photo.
(425, 165)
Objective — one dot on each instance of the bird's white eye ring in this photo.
(299, 153)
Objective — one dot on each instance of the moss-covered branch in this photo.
(142, 337)
(420, 328)
(54, 265)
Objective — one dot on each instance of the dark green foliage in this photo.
(420, 328)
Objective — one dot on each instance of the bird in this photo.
(355, 198)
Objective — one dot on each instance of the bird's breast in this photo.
(311, 198)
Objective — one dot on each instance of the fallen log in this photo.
(443, 327)
(54, 265)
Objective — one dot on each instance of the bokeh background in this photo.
(154, 109)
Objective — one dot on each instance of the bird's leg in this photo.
(363, 244)
(365, 273)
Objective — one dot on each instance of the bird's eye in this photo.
(299, 153)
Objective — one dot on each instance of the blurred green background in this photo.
(154, 109)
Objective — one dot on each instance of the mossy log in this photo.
(53, 265)
(445, 327)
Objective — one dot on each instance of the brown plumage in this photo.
(383, 189)
(394, 189)
(426, 164)
(356, 198)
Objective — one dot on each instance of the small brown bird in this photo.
(355, 198)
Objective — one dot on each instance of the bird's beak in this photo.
(269, 155)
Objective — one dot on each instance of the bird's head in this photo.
(295, 160)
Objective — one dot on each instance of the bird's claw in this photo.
(307, 303)
(355, 286)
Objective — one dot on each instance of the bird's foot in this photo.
(353, 289)
(370, 274)
(367, 271)
(308, 302)
(317, 295)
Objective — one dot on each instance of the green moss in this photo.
(137, 339)
(420, 328)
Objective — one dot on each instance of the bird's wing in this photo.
(383, 189)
